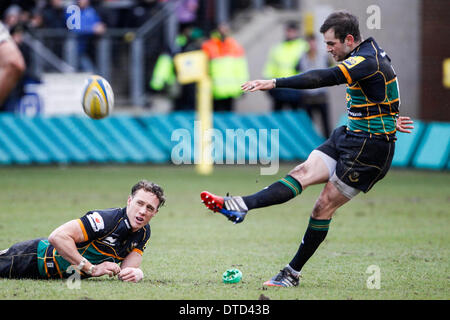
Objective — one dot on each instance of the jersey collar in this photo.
(370, 39)
(125, 219)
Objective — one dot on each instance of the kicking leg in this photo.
(313, 171)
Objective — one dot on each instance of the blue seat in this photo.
(133, 132)
(59, 138)
(12, 153)
(407, 144)
(79, 136)
(23, 140)
(434, 148)
(44, 142)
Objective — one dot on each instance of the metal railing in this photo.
(120, 54)
(123, 56)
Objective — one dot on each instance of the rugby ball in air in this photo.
(98, 97)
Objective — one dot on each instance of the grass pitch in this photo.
(402, 226)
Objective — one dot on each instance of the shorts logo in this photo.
(353, 177)
(353, 61)
(96, 221)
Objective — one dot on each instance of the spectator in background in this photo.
(190, 39)
(12, 16)
(187, 13)
(227, 67)
(91, 27)
(54, 15)
(36, 18)
(164, 74)
(316, 99)
(283, 62)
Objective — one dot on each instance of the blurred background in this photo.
(133, 44)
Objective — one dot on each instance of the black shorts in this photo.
(361, 160)
(20, 260)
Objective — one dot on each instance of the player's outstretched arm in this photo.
(404, 124)
(308, 80)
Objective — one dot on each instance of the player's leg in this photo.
(20, 260)
(363, 162)
(12, 67)
(329, 201)
(316, 169)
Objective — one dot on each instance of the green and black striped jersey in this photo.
(107, 237)
(373, 96)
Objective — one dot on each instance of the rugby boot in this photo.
(231, 207)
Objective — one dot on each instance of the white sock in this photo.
(294, 272)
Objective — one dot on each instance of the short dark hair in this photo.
(343, 24)
(150, 187)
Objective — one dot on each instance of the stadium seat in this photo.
(433, 151)
(155, 129)
(148, 139)
(25, 141)
(12, 152)
(266, 122)
(78, 137)
(61, 140)
(129, 127)
(97, 136)
(229, 120)
(122, 141)
(34, 129)
(4, 157)
(342, 120)
(407, 144)
(300, 129)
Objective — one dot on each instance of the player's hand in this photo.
(109, 268)
(131, 274)
(404, 124)
(255, 85)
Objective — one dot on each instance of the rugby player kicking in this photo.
(355, 156)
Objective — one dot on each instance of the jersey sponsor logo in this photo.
(110, 240)
(353, 61)
(355, 114)
(96, 221)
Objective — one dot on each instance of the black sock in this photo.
(281, 191)
(315, 233)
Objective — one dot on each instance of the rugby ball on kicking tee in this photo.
(98, 97)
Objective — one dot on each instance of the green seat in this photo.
(433, 151)
(407, 144)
